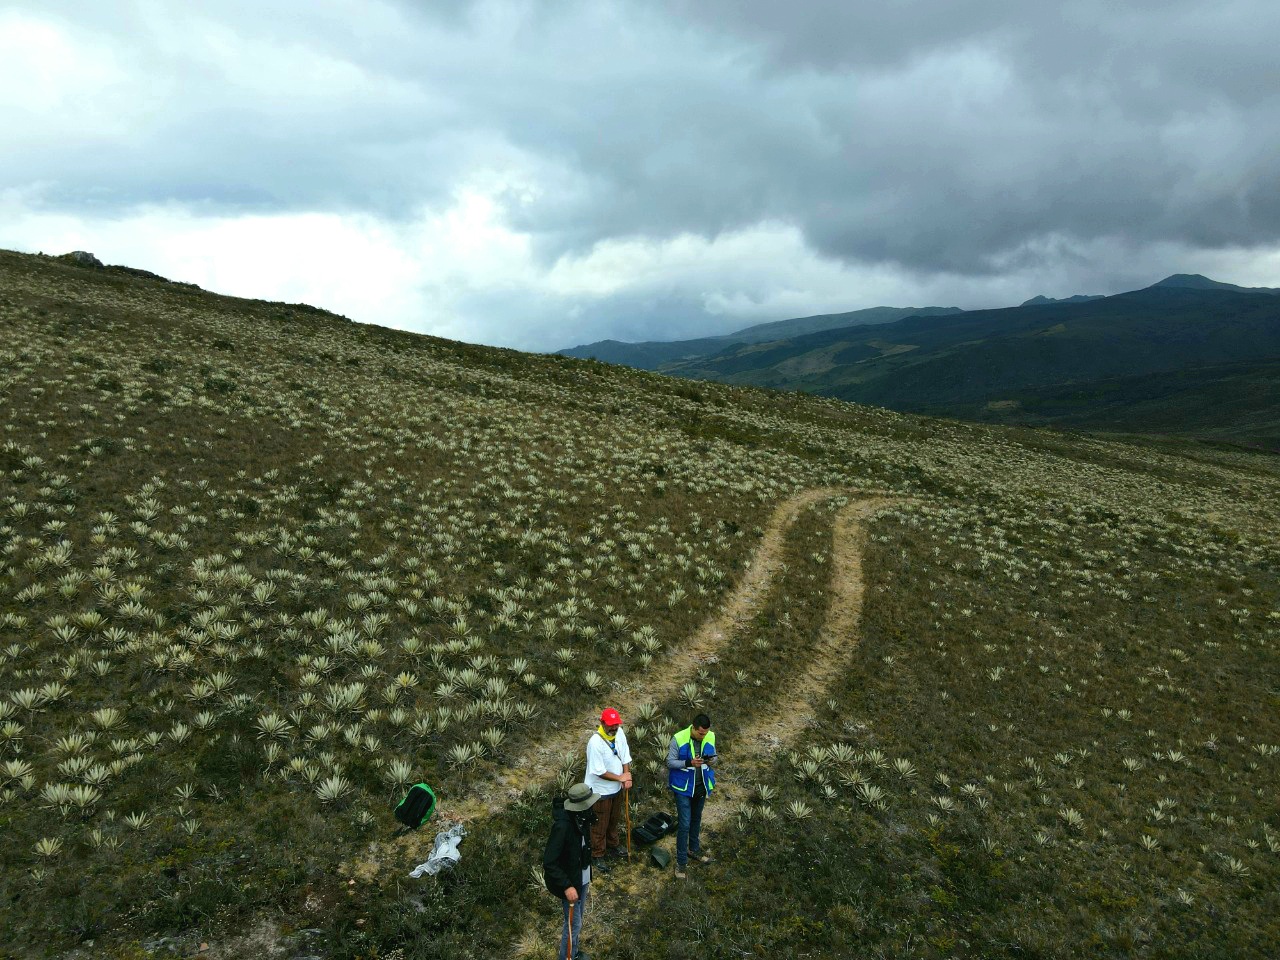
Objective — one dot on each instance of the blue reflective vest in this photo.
(685, 781)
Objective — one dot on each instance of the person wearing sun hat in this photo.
(566, 862)
(608, 774)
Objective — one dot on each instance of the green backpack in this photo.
(417, 806)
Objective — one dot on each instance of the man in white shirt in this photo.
(609, 775)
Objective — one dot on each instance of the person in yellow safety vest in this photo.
(691, 760)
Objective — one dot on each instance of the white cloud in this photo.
(54, 84)
(541, 174)
(398, 273)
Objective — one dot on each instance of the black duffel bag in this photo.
(656, 827)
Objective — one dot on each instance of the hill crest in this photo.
(1198, 281)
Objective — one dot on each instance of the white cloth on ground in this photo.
(444, 855)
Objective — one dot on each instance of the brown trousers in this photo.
(604, 832)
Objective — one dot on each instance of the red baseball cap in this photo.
(610, 717)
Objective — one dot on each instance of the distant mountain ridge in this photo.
(1196, 281)
(1078, 298)
(1186, 281)
(658, 354)
(1088, 362)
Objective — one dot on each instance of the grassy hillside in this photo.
(263, 566)
(1095, 364)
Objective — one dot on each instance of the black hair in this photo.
(702, 721)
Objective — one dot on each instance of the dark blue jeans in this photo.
(689, 828)
(579, 909)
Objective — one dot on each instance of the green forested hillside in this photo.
(1232, 402)
(660, 354)
(1093, 364)
(978, 691)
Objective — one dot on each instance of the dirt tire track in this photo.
(535, 766)
(666, 677)
(752, 749)
(796, 706)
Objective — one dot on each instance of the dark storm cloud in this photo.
(950, 135)
(967, 139)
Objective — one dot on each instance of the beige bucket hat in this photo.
(580, 798)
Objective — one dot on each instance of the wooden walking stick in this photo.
(626, 802)
(569, 953)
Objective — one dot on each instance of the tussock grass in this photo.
(262, 566)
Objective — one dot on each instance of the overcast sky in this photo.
(545, 174)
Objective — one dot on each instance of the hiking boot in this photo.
(616, 852)
(701, 857)
(681, 874)
(599, 866)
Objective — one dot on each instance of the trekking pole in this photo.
(626, 802)
(569, 954)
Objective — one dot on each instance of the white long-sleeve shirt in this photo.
(602, 759)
